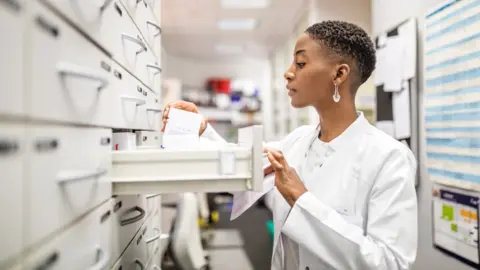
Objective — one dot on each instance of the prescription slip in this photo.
(181, 131)
(242, 201)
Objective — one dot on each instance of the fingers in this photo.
(277, 166)
(279, 157)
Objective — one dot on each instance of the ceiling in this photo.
(190, 27)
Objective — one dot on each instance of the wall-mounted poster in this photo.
(452, 94)
(455, 224)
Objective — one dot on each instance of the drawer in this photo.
(149, 139)
(156, 6)
(132, 103)
(12, 156)
(151, 117)
(129, 216)
(156, 239)
(68, 174)
(153, 203)
(142, 15)
(128, 46)
(70, 83)
(83, 246)
(155, 260)
(134, 257)
(108, 23)
(228, 169)
(12, 16)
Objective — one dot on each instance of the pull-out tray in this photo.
(223, 169)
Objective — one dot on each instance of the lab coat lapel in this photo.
(295, 155)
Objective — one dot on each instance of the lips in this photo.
(292, 92)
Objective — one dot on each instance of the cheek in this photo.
(315, 82)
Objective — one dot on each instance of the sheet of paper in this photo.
(387, 127)
(181, 131)
(394, 61)
(401, 112)
(379, 75)
(408, 32)
(242, 201)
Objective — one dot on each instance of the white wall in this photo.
(194, 72)
(385, 14)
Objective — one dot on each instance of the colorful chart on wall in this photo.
(455, 224)
(452, 94)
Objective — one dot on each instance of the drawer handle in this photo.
(164, 236)
(137, 101)
(157, 68)
(102, 262)
(155, 238)
(66, 69)
(134, 219)
(136, 41)
(149, 196)
(8, 147)
(154, 110)
(64, 178)
(105, 5)
(140, 263)
(50, 261)
(156, 26)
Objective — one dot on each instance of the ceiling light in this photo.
(245, 4)
(229, 49)
(237, 24)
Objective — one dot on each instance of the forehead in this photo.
(307, 44)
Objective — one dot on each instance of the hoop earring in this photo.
(336, 95)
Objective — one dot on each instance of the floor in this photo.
(242, 244)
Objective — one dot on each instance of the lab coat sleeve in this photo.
(390, 239)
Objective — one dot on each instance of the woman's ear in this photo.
(343, 71)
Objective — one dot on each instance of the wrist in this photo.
(296, 194)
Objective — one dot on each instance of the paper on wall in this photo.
(408, 31)
(379, 75)
(242, 201)
(181, 131)
(401, 112)
(394, 64)
(387, 127)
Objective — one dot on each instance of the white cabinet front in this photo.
(68, 175)
(12, 158)
(12, 16)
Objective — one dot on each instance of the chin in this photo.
(298, 104)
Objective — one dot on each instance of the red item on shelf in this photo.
(219, 85)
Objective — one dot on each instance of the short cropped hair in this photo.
(348, 41)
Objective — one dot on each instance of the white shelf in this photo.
(160, 171)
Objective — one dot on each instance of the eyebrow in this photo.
(299, 52)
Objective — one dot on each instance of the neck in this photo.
(335, 120)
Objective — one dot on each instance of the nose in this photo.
(289, 75)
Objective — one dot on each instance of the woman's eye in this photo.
(300, 65)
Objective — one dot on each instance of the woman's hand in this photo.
(185, 106)
(287, 180)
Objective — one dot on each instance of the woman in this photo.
(344, 194)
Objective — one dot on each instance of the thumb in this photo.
(268, 170)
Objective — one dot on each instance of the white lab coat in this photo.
(360, 211)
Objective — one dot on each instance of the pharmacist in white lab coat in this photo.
(344, 194)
